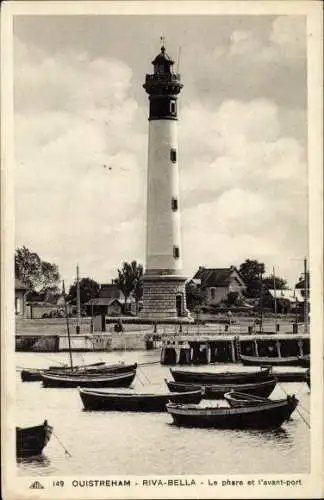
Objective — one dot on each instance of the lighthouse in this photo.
(164, 295)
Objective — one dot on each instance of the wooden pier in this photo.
(205, 349)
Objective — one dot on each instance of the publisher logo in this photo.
(36, 486)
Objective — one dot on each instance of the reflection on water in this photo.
(102, 443)
(35, 461)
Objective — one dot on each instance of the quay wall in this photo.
(197, 344)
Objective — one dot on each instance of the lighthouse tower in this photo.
(164, 284)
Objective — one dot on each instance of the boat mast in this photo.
(78, 328)
(67, 326)
(305, 296)
(275, 299)
(261, 303)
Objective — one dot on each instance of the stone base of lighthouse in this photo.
(164, 298)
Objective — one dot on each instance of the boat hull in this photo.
(270, 361)
(263, 388)
(220, 378)
(31, 441)
(33, 375)
(99, 380)
(100, 401)
(258, 416)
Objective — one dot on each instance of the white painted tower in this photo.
(164, 284)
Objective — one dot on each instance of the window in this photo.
(212, 293)
(173, 155)
(174, 204)
(176, 252)
(173, 107)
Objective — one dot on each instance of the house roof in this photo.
(291, 295)
(301, 284)
(102, 301)
(110, 291)
(19, 285)
(215, 276)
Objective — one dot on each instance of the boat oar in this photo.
(149, 363)
(66, 451)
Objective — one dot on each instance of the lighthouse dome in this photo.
(162, 62)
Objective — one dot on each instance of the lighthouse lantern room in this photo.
(164, 295)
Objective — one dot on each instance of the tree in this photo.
(195, 296)
(138, 286)
(89, 289)
(233, 299)
(251, 272)
(37, 274)
(280, 283)
(129, 280)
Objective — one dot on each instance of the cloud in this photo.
(81, 151)
(79, 174)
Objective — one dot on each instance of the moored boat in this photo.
(213, 391)
(237, 399)
(270, 361)
(90, 380)
(304, 360)
(202, 378)
(258, 416)
(31, 441)
(35, 374)
(123, 401)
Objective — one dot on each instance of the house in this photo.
(53, 307)
(20, 298)
(217, 283)
(106, 306)
(286, 300)
(301, 285)
(111, 302)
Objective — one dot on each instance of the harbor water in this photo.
(116, 443)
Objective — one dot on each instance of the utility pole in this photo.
(306, 297)
(78, 327)
(261, 303)
(275, 299)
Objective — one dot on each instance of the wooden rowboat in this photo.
(270, 361)
(304, 360)
(262, 416)
(203, 378)
(263, 388)
(237, 399)
(35, 374)
(93, 380)
(123, 401)
(31, 441)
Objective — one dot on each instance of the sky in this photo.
(79, 106)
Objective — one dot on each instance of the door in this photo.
(179, 304)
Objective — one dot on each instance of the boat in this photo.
(34, 374)
(123, 401)
(258, 416)
(304, 360)
(213, 391)
(307, 378)
(30, 441)
(270, 361)
(91, 380)
(237, 399)
(220, 377)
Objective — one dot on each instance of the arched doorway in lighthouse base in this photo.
(179, 304)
